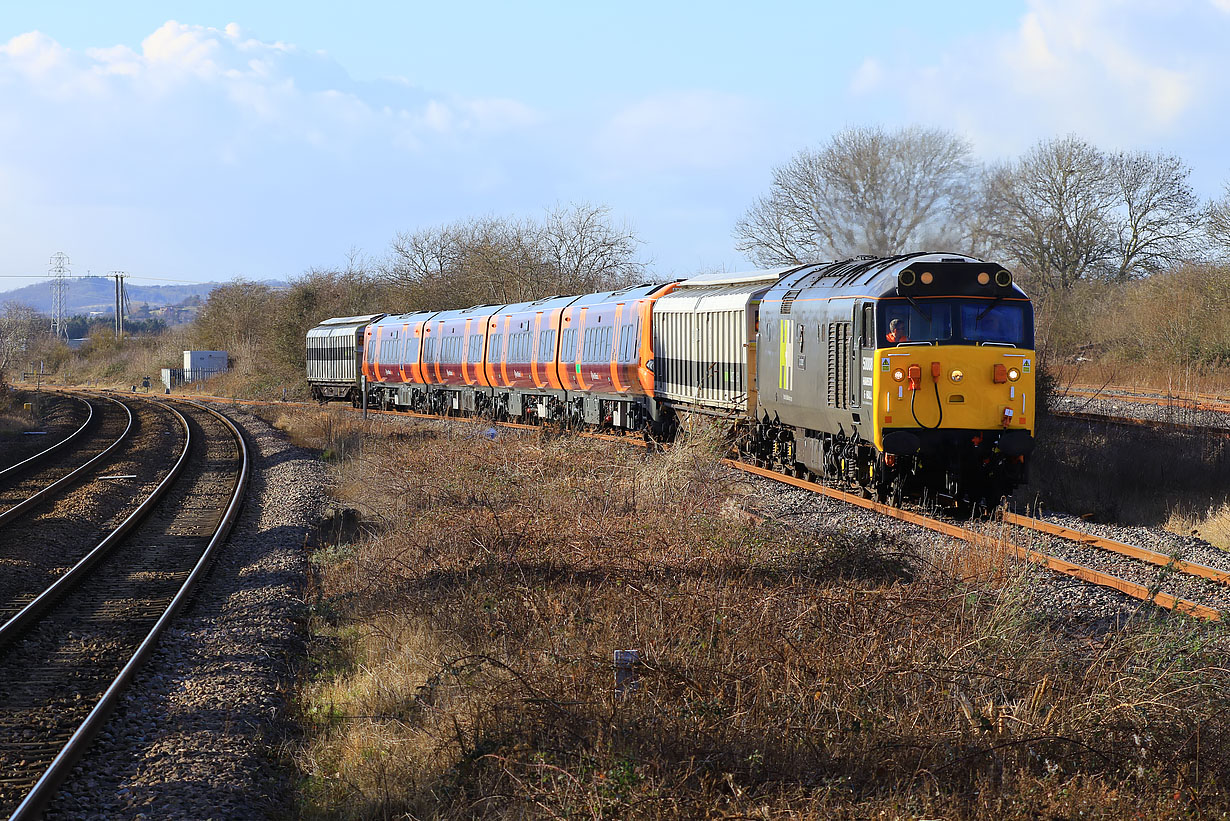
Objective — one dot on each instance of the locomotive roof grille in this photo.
(861, 270)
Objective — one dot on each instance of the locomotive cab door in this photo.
(862, 369)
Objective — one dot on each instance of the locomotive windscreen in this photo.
(956, 322)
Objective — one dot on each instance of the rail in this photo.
(32, 500)
(1134, 422)
(1088, 574)
(36, 801)
(1187, 401)
(29, 614)
(13, 470)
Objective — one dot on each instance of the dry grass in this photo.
(107, 363)
(1212, 525)
(462, 659)
(14, 418)
(1165, 377)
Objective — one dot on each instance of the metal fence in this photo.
(175, 377)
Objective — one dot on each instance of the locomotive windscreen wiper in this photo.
(918, 307)
(987, 309)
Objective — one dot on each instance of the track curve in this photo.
(85, 642)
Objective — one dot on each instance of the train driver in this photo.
(896, 333)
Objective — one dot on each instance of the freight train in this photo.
(900, 375)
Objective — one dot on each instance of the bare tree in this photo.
(236, 316)
(867, 191)
(1157, 221)
(318, 294)
(501, 260)
(1054, 211)
(586, 252)
(1217, 223)
(19, 326)
(1067, 211)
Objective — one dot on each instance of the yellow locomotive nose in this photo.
(977, 387)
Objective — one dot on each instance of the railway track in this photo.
(60, 523)
(1192, 400)
(1175, 403)
(1136, 422)
(1212, 585)
(23, 462)
(67, 654)
(60, 418)
(39, 477)
(1163, 413)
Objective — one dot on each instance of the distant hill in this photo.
(98, 294)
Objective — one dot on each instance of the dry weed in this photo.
(464, 657)
(1213, 525)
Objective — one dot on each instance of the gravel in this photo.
(1072, 604)
(1175, 413)
(199, 734)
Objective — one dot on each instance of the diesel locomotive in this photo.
(900, 375)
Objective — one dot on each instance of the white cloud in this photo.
(206, 143)
(221, 78)
(1119, 72)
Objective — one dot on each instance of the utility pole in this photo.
(120, 299)
(59, 290)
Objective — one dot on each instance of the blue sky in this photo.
(199, 141)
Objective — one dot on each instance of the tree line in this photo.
(1064, 212)
(1066, 216)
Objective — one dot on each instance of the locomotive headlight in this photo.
(956, 375)
(1013, 374)
(984, 278)
(926, 278)
(898, 375)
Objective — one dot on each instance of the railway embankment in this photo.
(1166, 473)
(531, 625)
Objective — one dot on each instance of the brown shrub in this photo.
(464, 657)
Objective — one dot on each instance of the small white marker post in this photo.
(626, 679)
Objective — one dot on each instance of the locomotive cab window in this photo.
(997, 324)
(955, 322)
